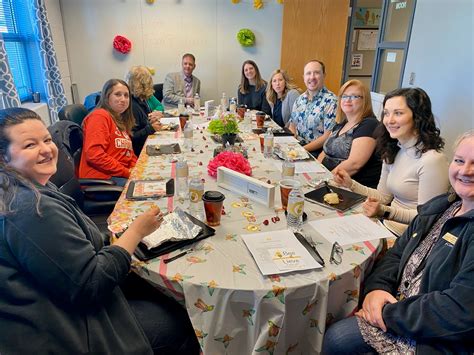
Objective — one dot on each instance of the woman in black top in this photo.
(351, 144)
(252, 88)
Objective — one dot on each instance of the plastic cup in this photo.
(241, 111)
(286, 185)
(260, 118)
(262, 141)
(213, 202)
(183, 118)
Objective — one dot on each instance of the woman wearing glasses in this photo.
(413, 169)
(351, 145)
(418, 298)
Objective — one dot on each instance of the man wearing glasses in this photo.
(314, 111)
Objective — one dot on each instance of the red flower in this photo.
(231, 160)
(122, 44)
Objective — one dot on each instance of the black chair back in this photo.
(158, 91)
(69, 136)
(75, 113)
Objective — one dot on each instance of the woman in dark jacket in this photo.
(59, 284)
(419, 297)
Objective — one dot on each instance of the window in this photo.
(21, 46)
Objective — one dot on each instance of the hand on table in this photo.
(342, 177)
(372, 207)
(189, 101)
(372, 308)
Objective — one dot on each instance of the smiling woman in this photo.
(54, 265)
(418, 298)
(107, 150)
(413, 169)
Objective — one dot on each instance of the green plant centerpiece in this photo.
(226, 127)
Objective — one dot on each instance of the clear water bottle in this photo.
(224, 102)
(181, 107)
(248, 117)
(188, 135)
(182, 174)
(268, 144)
(288, 168)
(294, 218)
(196, 190)
(233, 105)
(197, 102)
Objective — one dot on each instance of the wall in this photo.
(441, 56)
(56, 25)
(162, 32)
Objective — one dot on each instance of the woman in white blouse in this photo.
(414, 167)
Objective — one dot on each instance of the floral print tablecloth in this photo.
(233, 308)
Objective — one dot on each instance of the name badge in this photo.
(450, 238)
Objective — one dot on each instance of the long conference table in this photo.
(233, 308)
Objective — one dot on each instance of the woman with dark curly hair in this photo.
(414, 167)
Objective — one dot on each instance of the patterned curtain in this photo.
(51, 75)
(8, 95)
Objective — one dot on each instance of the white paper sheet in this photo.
(279, 252)
(350, 229)
(158, 140)
(168, 120)
(309, 167)
(284, 139)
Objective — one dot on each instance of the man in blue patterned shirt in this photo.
(314, 111)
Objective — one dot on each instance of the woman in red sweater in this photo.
(107, 151)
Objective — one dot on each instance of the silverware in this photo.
(308, 241)
(327, 186)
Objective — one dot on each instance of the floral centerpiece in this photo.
(231, 160)
(226, 126)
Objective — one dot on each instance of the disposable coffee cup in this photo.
(241, 111)
(286, 185)
(213, 202)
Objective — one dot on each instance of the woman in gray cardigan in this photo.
(281, 95)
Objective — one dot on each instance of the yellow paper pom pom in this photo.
(151, 70)
(257, 4)
(235, 1)
(150, 1)
(280, 1)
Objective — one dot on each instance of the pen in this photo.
(166, 261)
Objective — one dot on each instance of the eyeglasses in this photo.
(350, 97)
(336, 254)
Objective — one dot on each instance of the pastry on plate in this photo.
(331, 198)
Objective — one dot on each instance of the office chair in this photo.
(75, 113)
(96, 197)
(91, 101)
(158, 91)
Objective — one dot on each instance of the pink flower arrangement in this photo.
(231, 160)
(122, 44)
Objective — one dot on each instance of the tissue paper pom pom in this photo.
(122, 44)
(231, 160)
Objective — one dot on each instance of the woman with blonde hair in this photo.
(107, 149)
(351, 145)
(252, 88)
(146, 109)
(281, 95)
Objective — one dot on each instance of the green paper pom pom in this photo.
(246, 37)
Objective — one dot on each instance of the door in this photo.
(314, 29)
(392, 46)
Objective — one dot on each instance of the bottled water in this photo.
(196, 190)
(181, 107)
(294, 218)
(233, 105)
(268, 144)
(248, 117)
(224, 102)
(182, 189)
(197, 102)
(188, 135)
(288, 168)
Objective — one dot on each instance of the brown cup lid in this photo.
(183, 115)
(260, 113)
(214, 196)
